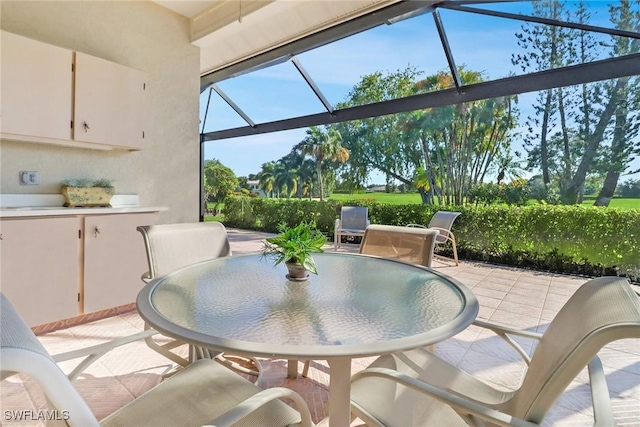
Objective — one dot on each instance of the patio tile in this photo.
(520, 290)
(513, 320)
(490, 284)
(553, 305)
(519, 308)
(488, 301)
(481, 291)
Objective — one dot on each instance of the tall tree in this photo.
(308, 177)
(266, 178)
(625, 144)
(375, 144)
(324, 145)
(286, 176)
(219, 180)
(439, 151)
(543, 47)
(572, 133)
(460, 143)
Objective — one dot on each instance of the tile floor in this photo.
(509, 296)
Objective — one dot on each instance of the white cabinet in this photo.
(109, 107)
(40, 261)
(54, 268)
(36, 86)
(55, 95)
(114, 259)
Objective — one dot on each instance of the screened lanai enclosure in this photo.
(550, 72)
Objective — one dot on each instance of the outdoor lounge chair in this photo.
(443, 221)
(414, 245)
(417, 388)
(173, 246)
(352, 222)
(202, 393)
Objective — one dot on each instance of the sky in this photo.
(480, 43)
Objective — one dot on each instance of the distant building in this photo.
(254, 187)
(376, 188)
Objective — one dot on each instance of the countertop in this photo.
(33, 211)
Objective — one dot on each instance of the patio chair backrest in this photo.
(354, 217)
(22, 352)
(444, 220)
(600, 311)
(173, 246)
(414, 245)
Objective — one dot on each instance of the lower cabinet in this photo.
(114, 259)
(39, 265)
(53, 268)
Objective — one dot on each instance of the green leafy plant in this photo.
(295, 245)
(86, 182)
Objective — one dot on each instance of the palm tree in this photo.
(324, 145)
(308, 174)
(266, 178)
(507, 167)
(286, 178)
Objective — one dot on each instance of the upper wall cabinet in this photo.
(54, 95)
(109, 107)
(37, 92)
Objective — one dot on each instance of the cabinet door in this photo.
(36, 88)
(109, 103)
(39, 266)
(114, 259)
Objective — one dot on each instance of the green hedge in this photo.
(566, 239)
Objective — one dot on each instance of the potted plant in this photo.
(294, 246)
(87, 192)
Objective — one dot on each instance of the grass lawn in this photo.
(390, 198)
(410, 198)
(617, 203)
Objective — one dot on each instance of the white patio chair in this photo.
(352, 222)
(414, 245)
(443, 221)
(203, 393)
(417, 388)
(173, 246)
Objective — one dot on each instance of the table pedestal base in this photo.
(340, 391)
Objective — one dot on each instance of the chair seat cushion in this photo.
(396, 405)
(197, 395)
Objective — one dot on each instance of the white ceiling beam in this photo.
(221, 14)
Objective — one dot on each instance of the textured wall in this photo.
(141, 35)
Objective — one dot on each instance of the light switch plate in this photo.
(29, 178)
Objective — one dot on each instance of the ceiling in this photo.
(231, 31)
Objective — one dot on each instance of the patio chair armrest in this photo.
(602, 411)
(93, 353)
(415, 225)
(505, 332)
(447, 234)
(459, 403)
(257, 400)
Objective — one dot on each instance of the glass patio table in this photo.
(356, 306)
